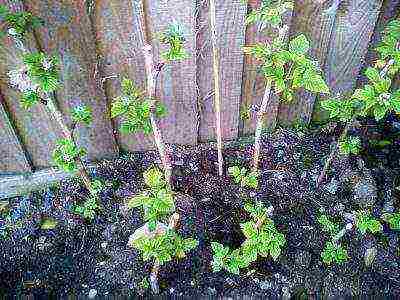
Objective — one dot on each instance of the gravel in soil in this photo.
(93, 258)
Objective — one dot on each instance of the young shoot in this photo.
(135, 109)
(19, 23)
(244, 177)
(174, 38)
(262, 239)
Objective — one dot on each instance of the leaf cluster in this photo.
(262, 239)
(288, 66)
(82, 114)
(157, 202)
(393, 220)
(135, 109)
(333, 251)
(270, 12)
(365, 223)
(42, 70)
(350, 145)
(66, 153)
(19, 22)
(164, 247)
(244, 177)
(174, 37)
(88, 208)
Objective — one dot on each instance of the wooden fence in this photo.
(98, 42)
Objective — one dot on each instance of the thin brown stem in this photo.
(217, 95)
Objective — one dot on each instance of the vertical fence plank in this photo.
(355, 23)
(177, 82)
(12, 154)
(33, 125)
(253, 86)
(309, 18)
(68, 33)
(231, 38)
(116, 26)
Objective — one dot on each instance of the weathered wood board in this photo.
(354, 25)
(231, 39)
(176, 85)
(33, 125)
(12, 155)
(311, 19)
(116, 27)
(68, 33)
(253, 85)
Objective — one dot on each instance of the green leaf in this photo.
(249, 230)
(29, 98)
(48, 223)
(154, 178)
(313, 82)
(299, 45)
(82, 113)
(275, 251)
(234, 171)
(139, 200)
(380, 112)
(118, 108)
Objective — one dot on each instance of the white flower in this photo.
(20, 80)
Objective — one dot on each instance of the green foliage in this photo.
(135, 109)
(341, 109)
(244, 177)
(88, 208)
(288, 67)
(157, 202)
(20, 22)
(328, 225)
(82, 113)
(164, 247)
(174, 37)
(350, 145)
(43, 71)
(29, 98)
(270, 12)
(66, 153)
(393, 220)
(365, 223)
(334, 252)
(389, 47)
(262, 239)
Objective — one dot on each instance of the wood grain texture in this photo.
(120, 54)
(12, 154)
(231, 37)
(309, 18)
(176, 85)
(68, 33)
(354, 26)
(33, 126)
(254, 83)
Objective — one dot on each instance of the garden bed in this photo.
(93, 258)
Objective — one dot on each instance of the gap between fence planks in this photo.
(68, 33)
(230, 39)
(309, 18)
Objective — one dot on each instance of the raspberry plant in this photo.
(374, 99)
(174, 38)
(262, 239)
(285, 66)
(158, 239)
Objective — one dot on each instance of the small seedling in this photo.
(262, 239)
(393, 220)
(365, 223)
(334, 253)
(244, 177)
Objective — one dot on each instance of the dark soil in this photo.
(82, 258)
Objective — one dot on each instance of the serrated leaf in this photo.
(299, 45)
(249, 230)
